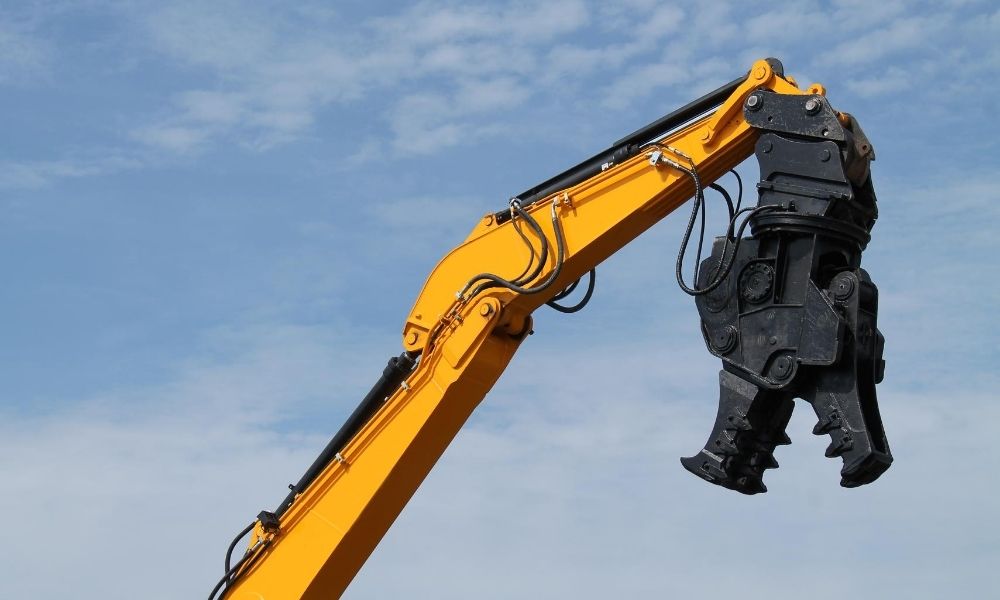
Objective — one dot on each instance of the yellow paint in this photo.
(333, 526)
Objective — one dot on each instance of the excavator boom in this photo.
(788, 311)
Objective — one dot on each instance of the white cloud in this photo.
(139, 478)
(567, 477)
(570, 481)
(271, 91)
(37, 174)
(23, 55)
(899, 35)
(176, 138)
(893, 80)
(644, 81)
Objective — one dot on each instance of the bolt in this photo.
(773, 340)
(812, 106)
(488, 220)
(760, 73)
(724, 340)
(485, 310)
(411, 338)
(824, 155)
(754, 102)
(766, 146)
(705, 134)
(782, 367)
(843, 289)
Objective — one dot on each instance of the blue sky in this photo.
(214, 217)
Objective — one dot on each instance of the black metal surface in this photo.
(268, 521)
(810, 116)
(392, 376)
(796, 316)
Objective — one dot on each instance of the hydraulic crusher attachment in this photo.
(792, 314)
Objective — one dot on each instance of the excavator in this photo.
(788, 310)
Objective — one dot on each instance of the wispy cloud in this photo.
(567, 474)
(24, 56)
(270, 91)
(898, 35)
(37, 174)
(191, 460)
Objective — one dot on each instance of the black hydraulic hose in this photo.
(739, 194)
(392, 376)
(543, 252)
(232, 546)
(230, 576)
(701, 236)
(523, 279)
(566, 292)
(701, 232)
(726, 197)
(583, 301)
(722, 269)
(531, 252)
(497, 281)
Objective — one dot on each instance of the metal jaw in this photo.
(796, 315)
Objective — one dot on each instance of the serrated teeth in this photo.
(763, 460)
(830, 423)
(751, 485)
(725, 445)
(739, 423)
(839, 446)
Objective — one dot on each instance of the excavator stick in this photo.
(795, 314)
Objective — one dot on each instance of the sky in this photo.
(214, 217)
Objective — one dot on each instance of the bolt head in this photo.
(754, 102)
(843, 288)
(824, 155)
(724, 340)
(411, 338)
(812, 106)
(766, 146)
(485, 310)
(781, 368)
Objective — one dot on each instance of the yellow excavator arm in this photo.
(475, 310)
